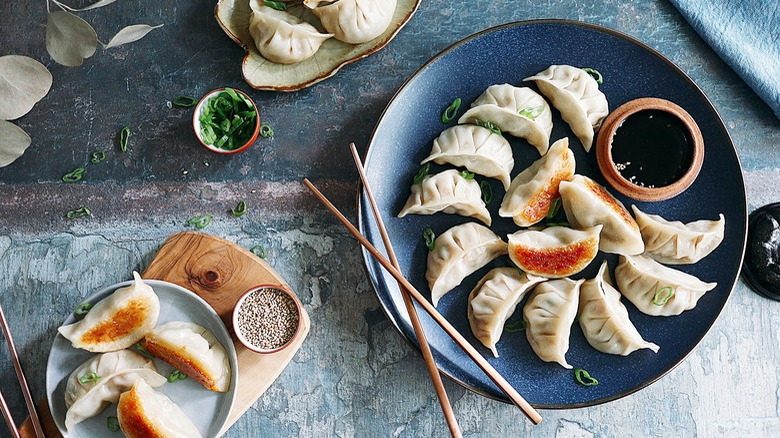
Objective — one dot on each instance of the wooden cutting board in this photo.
(220, 272)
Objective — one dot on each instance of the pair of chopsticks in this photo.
(36, 422)
(408, 291)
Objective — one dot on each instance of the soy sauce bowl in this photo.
(197, 127)
(636, 189)
(244, 317)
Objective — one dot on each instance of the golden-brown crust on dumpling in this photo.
(122, 323)
(181, 363)
(132, 418)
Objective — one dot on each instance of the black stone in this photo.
(761, 270)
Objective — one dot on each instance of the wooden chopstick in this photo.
(491, 372)
(9, 419)
(433, 371)
(36, 422)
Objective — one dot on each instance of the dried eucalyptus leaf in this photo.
(13, 142)
(98, 4)
(69, 39)
(23, 82)
(130, 34)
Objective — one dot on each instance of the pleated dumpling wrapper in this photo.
(100, 381)
(118, 321)
(554, 252)
(193, 350)
(144, 413)
(549, 315)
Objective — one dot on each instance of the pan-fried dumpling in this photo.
(457, 253)
(519, 111)
(493, 301)
(100, 381)
(447, 192)
(604, 319)
(193, 350)
(549, 315)
(118, 321)
(282, 37)
(554, 252)
(676, 243)
(576, 95)
(656, 289)
(528, 199)
(587, 204)
(477, 149)
(355, 21)
(144, 413)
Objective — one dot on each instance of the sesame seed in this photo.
(268, 318)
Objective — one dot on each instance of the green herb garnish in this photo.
(451, 112)
(200, 222)
(259, 251)
(467, 175)
(227, 120)
(595, 75)
(239, 210)
(97, 157)
(74, 176)
(556, 216)
(663, 296)
(88, 378)
(113, 424)
(532, 112)
(176, 375)
(515, 326)
(430, 238)
(555, 206)
(184, 102)
(266, 131)
(141, 349)
(124, 137)
(279, 6)
(422, 173)
(78, 213)
(82, 309)
(583, 378)
(488, 125)
(487, 192)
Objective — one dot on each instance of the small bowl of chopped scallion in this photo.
(226, 121)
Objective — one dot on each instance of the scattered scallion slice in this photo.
(488, 125)
(73, 176)
(487, 192)
(663, 296)
(584, 378)
(451, 112)
(88, 378)
(422, 173)
(266, 131)
(227, 120)
(78, 213)
(279, 6)
(113, 424)
(467, 175)
(184, 102)
(141, 349)
(200, 222)
(82, 309)
(556, 216)
(259, 251)
(555, 205)
(595, 75)
(532, 112)
(515, 326)
(97, 157)
(430, 238)
(176, 375)
(239, 210)
(124, 137)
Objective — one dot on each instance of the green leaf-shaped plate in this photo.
(261, 74)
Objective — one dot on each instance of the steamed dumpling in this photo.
(477, 149)
(576, 95)
(528, 199)
(459, 252)
(554, 252)
(520, 111)
(587, 203)
(282, 37)
(647, 284)
(114, 373)
(145, 413)
(355, 21)
(192, 350)
(604, 319)
(447, 192)
(118, 321)
(494, 300)
(549, 315)
(676, 243)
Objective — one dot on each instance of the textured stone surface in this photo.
(354, 376)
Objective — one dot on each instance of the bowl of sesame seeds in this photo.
(267, 318)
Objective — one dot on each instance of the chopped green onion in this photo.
(430, 238)
(141, 349)
(78, 213)
(663, 296)
(97, 157)
(176, 375)
(82, 309)
(555, 205)
(266, 130)
(239, 210)
(422, 173)
(487, 192)
(124, 137)
(113, 424)
(515, 326)
(228, 120)
(259, 251)
(583, 378)
(488, 125)
(595, 75)
(467, 175)
(279, 6)
(451, 112)
(88, 378)
(532, 112)
(200, 222)
(74, 176)
(184, 102)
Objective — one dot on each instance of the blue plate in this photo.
(508, 53)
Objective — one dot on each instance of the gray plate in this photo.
(208, 410)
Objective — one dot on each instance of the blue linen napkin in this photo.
(746, 34)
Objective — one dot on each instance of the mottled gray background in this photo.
(354, 375)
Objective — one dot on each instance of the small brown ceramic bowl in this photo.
(196, 127)
(607, 163)
(242, 337)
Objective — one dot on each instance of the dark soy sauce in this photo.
(652, 148)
